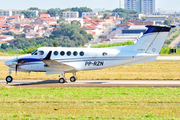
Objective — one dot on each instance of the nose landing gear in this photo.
(9, 79)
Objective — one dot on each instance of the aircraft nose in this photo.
(9, 62)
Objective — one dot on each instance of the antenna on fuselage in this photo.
(89, 46)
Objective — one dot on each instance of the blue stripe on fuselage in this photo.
(28, 60)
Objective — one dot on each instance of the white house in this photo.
(6, 37)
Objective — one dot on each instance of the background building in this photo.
(89, 14)
(141, 6)
(70, 14)
(9, 12)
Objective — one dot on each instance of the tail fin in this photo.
(153, 39)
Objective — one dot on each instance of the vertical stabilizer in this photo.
(153, 39)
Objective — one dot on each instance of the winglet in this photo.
(48, 56)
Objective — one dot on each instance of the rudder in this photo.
(153, 39)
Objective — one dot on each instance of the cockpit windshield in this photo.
(34, 52)
(41, 52)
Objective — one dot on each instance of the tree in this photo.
(105, 16)
(95, 17)
(34, 8)
(167, 22)
(4, 46)
(117, 10)
(90, 37)
(54, 12)
(27, 14)
(75, 22)
(55, 43)
(80, 10)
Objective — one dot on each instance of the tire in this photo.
(73, 79)
(61, 80)
(9, 79)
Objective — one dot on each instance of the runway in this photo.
(92, 83)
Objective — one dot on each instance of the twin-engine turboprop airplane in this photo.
(58, 60)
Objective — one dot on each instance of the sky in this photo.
(107, 4)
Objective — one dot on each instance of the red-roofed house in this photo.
(2, 22)
(49, 20)
(15, 17)
(45, 16)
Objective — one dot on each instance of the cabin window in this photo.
(81, 53)
(41, 53)
(68, 53)
(104, 54)
(55, 53)
(75, 53)
(62, 53)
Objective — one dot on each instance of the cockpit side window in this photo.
(34, 52)
(41, 52)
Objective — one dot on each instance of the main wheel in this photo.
(61, 80)
(73, 79)
(9, 79)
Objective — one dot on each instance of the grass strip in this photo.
(90, 95)
(19, 111)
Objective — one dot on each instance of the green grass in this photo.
(28, 103)
(90, 95)
(89, 112)
(114, 44)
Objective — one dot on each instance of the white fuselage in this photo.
(78, 59)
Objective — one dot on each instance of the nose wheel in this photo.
(9, 79)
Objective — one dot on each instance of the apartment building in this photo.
(132, 5)
(71, 14)
(9, 12)
(89, 14)
(147, 6)
(141, 6)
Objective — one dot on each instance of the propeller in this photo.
(16, 68)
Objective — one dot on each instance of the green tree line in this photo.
(66, 35)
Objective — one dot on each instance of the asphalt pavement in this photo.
(92, 83)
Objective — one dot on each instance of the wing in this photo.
(55, 64)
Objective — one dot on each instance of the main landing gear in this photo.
(63, 79)
(9, 79)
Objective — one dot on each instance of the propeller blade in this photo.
(16, 69)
